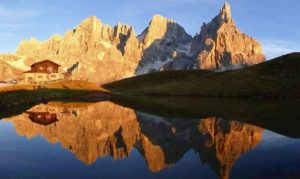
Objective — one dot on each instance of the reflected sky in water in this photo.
(104, 139)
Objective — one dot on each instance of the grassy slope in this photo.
(74, 85)
(18, 95)
(279, 77)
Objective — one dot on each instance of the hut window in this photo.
(53, 76)
(50, 69)
(40, 76)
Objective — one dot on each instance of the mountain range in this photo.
(107, 54)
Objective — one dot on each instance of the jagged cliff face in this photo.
(104, 53)
(8, 69)
(225, 141)
(27, 47)
(163, 28)
(8, 72)
(107, 54)
(163, 42)
(101, 129)
(221, 44)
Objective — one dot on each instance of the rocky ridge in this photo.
(107, 53)
(222, 45)
(10, 67)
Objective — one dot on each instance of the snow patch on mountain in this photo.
(153, 67)
(20, 63)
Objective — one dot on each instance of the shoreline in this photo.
(16, 98)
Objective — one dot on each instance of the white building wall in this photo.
(41, 78)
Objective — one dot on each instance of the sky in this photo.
(274, 23)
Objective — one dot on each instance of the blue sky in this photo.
(275, 23)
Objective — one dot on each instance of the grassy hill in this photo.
(18, 95)
(275, 78)
(68, 84)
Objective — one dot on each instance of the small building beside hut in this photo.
(42, 72)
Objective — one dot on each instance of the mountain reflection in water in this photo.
(95, 130)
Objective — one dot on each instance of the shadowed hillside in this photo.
(75, 90)
(276, 78)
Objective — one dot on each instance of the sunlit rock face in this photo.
(224, 142)
(164, 45)
(104, 53)
(8, 72)
(107, 53)
(28, 46)
(104, 129)
(221, 45)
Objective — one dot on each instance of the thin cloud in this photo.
(15, 14)
(194, 1)
(16, 18)
(274, 48)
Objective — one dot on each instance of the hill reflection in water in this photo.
(96, 130)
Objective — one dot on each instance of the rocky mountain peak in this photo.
(161, 27)
(124, 29)
(221, 44)
(225, 13)
(224, 17)
(56, 37)
(157, 18)
(91, 22)
(160, 42)
(33, 40)
(155, 31)
(28, 46)
(164, 45)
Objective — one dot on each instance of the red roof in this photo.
(43, 118)
(32, 71)
(44, 62)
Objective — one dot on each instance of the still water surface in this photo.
(108, 140)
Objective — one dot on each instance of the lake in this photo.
(152, 138)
